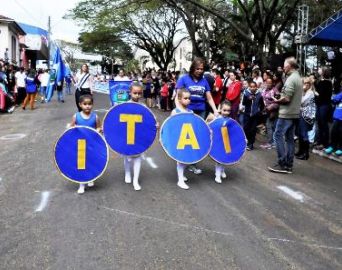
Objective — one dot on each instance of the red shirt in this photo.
(217, 95)
(234, 90)
(164, 92)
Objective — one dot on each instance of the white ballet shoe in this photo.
(223, 174)
(136, 186)
(81, 189)
(218, 180)
(128, 179)
(91, 184)
(185, 179)
(182, 185)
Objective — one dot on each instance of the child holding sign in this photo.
(86, 118)
(183, 97)
(225, 109)
(136, 92)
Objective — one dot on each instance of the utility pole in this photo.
(49, 41)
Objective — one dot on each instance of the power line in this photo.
(27, 12)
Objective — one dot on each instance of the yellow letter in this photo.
(187, 137)
(226, 140)
(81, 154)
(131, 119)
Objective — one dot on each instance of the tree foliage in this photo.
(147, 25)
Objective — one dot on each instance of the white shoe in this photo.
(128, 179)
(91, 184)
(10, 110)
(194, 169)
(185, 179)
(81, 189)
(137, 187)
(182, 185)
(223, 175)
(218, 180)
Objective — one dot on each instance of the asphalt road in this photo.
(253, 220)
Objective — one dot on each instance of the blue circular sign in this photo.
(129, 128)
(186, 138)
(81, 154)
(229, 141)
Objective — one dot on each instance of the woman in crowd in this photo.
(271, 109)
(324, 89)
(306, 120)
(233, 94)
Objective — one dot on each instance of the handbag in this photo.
(309, 112)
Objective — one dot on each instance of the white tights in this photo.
(135, 163)
(181, 178)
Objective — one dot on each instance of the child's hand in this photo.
(157, 125)
(100, 130)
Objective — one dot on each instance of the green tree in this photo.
(145, 24)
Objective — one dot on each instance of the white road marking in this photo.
(151, 163)
(0, 179)
(294, 194)
(43, 201)
(15, 136)
(101, 110)
(187, 226)
(304, 243)
(197, 228)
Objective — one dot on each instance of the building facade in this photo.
(9, 40)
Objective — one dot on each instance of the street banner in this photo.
(119, 91)
(101, 87)
(186, 138)
(81, 154)
(129, 128)
(229, 141)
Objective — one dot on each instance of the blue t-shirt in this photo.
(91, 122)
(197, 90)
(31, 86)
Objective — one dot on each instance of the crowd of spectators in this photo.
(251, 91)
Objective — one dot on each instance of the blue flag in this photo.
(57, 74)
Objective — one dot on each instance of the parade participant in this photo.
(136, 92)
(183, 97)
(86, 118)
(254, 104)
(44, 81)
(199, 90)
(289, 108)
(225, 110)
(20, 85)
(31, 89)
(84, 84)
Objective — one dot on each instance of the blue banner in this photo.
(229, 141)
(119, 91)
(81, 154)
(101, 87)
(57, 74)
(129, 128)
(186, 138)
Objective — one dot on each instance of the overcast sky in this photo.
(36, 12)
